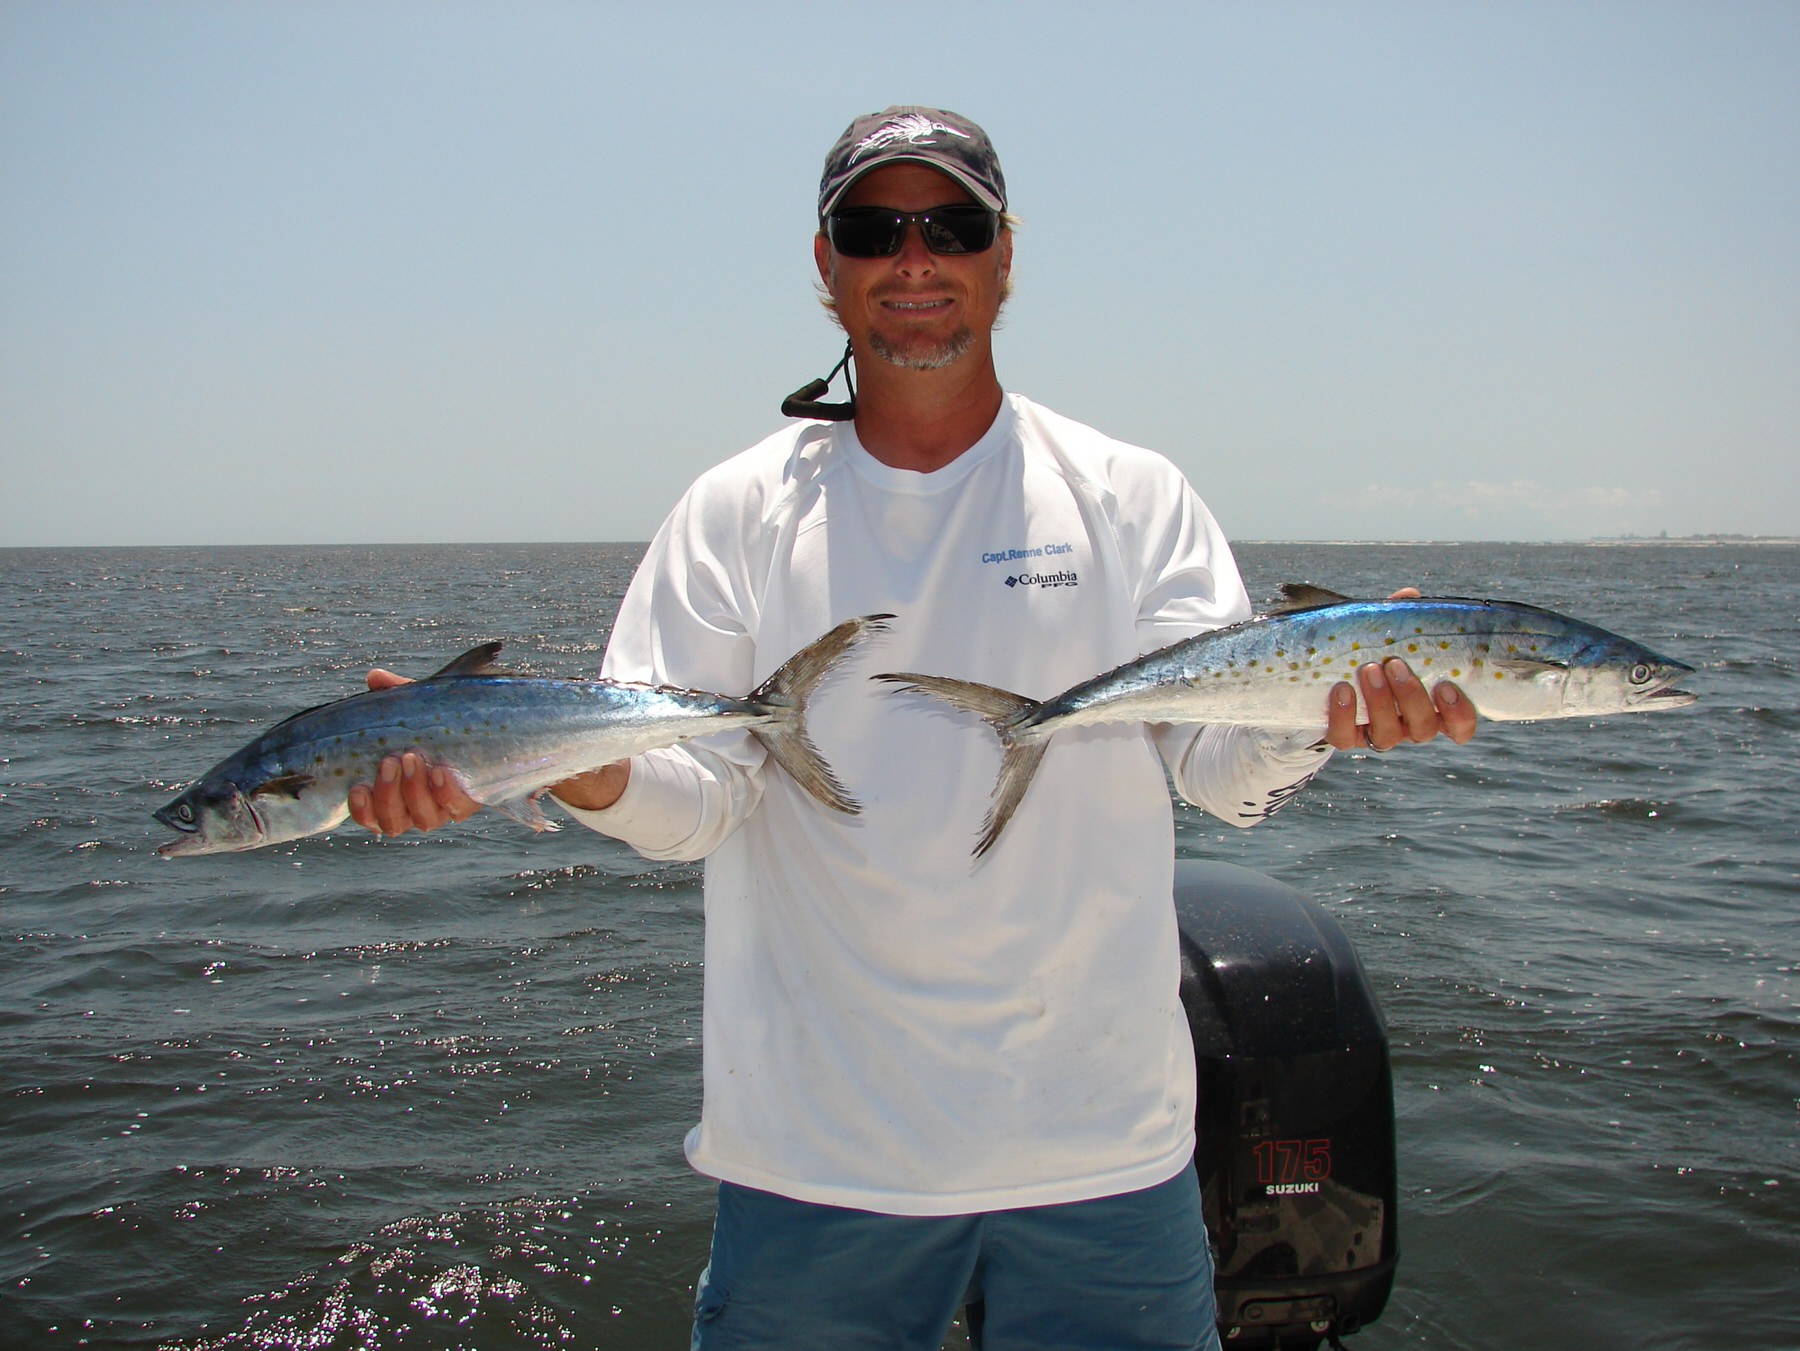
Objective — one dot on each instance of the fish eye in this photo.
(1640, 674)
(184, 812)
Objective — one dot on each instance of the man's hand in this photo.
(408, 792)
(1400, 708)
(596, 790)
(411, 794)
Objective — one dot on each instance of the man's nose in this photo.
(914, 259)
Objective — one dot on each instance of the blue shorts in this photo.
(1119, 1272)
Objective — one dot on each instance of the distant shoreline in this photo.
(1612, 541)
(1699, 539)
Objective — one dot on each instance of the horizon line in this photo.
(1697, 537)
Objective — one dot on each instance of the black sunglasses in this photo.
(877, 231)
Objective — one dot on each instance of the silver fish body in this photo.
(506, 737)
(1515, 662)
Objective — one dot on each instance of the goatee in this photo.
(923, 356)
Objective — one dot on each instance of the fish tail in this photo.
(1005, 713)
(783, 697)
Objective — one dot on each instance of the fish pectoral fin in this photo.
(1306, 596)
(285, 785)
(526, 812)
(1526, 667)
(476, 661)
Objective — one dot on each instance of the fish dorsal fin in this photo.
(286, 785)
(1306, 596)
(295, 717)
(476, 661)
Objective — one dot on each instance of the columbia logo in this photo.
(1063, 578)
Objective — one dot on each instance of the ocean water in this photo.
(349, 1093)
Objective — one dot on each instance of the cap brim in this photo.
(950, 171)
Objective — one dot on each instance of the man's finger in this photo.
(362, 810)
(1418, 715)
(451, 799)
(1385, 729)
(1456, 712)
(390, 810)
(1341, 731)
(422, 809)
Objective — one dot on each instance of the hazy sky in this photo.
(402, 270)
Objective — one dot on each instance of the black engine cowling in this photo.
(1296, 1114)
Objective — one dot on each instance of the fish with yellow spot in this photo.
(1515, 662)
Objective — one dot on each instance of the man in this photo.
(926, 1079)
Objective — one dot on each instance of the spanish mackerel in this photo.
(1515, 663)
(505, 737)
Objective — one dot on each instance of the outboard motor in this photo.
(1296, 1114)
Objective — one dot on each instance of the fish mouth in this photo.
(1664, 694)
(190, 840)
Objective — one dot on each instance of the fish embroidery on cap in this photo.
(913, 127)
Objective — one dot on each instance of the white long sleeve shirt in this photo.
(888, 1024)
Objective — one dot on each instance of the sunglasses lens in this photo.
(959, 229)
(865, 231)
(876, 231)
